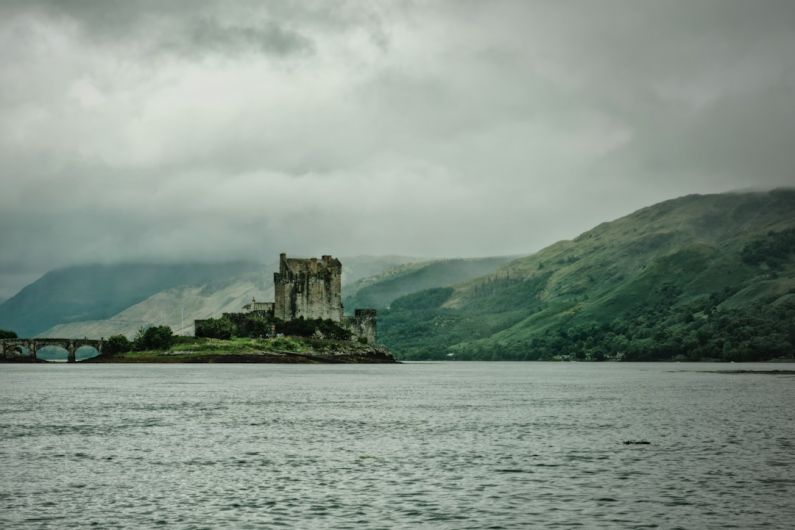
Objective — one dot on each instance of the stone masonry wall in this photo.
(308, 288)
(362, 325)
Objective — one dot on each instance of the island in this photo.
(286, 349)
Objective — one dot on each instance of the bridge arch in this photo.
(86, 351)
(17, 349)
(52, 352)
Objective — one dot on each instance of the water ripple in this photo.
(451, 445)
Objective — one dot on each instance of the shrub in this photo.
(302, 327)
(215, 328)
(252, 326)
(117, 344)
(154, 338)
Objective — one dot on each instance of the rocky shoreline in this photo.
(371, 355)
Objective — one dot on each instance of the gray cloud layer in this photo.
(212, 129)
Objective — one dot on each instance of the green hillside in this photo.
(697, 277)
(379, 291)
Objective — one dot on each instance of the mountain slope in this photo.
(176, 308)
(185, 298)
(648, 285)
(93, 292)
(380, 290)
(355, 268)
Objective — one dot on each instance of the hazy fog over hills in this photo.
(380, 290)
(102, 300)
(177, 307)
(217, 130)
(92, 292)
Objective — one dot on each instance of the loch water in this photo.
(420, 445)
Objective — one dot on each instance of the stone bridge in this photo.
(25, 349)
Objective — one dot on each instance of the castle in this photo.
(308, 288)
(312, 289)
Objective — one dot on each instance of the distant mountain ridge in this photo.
(380, 290)
(93, 292)
(101, 300)
(177, 308)
(696, 277)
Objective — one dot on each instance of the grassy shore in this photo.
(246, 350)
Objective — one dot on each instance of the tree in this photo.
(6, 334)
(154, 338)
(253, 326)
(215, 328)
(117, 344)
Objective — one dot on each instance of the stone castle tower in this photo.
(312, 289)
(308, 288)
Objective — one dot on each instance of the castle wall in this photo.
(259, 307)
(308, 288)
(362, 325)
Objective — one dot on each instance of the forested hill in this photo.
(702, 276)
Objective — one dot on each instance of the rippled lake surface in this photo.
(451, 445)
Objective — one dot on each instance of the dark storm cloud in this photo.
(186, 27)
(216, 129)
(271, 38)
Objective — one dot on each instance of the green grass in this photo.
(286, 348)
(190, 345)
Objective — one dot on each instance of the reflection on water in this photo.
(459, 445)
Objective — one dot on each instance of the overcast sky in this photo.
(201, 129)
